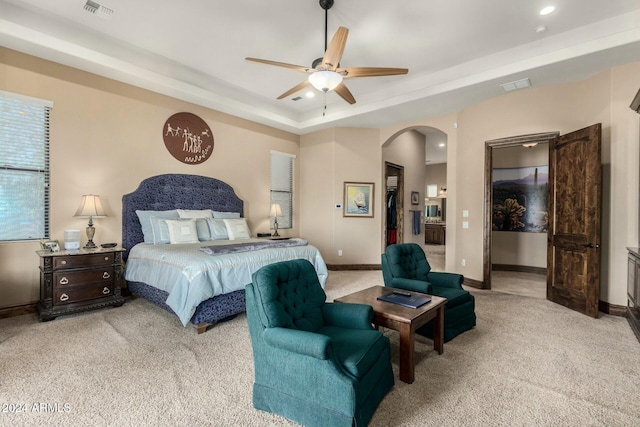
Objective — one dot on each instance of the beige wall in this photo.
(408, 150)
(328, 159)
(512, 248)
(105, 138)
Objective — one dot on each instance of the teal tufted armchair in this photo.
(315, 363)
(405, 266)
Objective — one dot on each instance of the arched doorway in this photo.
(407, 157)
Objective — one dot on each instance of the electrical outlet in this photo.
(339, 252)
(463, 262)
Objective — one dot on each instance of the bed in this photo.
(189, 264)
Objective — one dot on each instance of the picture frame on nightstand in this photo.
(50, 245)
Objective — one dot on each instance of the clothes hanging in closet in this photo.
(392, 216)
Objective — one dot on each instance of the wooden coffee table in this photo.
(405, 320)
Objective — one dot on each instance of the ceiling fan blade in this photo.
(280, 64)
(370, 71)
(342, 90)
(295, 89)
(335, 49)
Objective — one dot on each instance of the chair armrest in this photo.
(411, 285)
(446, 280)
(347, 315)
(301, 342)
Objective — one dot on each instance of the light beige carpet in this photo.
(529, 362)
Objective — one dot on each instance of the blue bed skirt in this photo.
(210, 311)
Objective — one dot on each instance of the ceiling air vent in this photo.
(518, 84)
(98, 10)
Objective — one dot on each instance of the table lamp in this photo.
(276, 211)
(90, 206)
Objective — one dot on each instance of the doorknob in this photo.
(591, 245)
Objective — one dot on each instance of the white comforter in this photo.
(191, 276)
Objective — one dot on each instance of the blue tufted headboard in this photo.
(174, 191)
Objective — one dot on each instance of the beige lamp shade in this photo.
(276, 211)
(90, 206)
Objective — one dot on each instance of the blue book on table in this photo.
(406, 299)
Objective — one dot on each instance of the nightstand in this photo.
(81, 280)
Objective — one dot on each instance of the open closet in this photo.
(394, 202)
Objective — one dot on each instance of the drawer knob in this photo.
(106, 291)
(64, 297)
(64, 281)
(106, 275)
(63, 262)
(106, 258)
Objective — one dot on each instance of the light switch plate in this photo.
(465, 224)
(465, 213)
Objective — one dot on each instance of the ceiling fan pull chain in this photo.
(324, 109)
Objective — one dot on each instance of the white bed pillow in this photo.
(223, 215)
(189, 213)
(237, 228)
(182, 230)
(217, 229)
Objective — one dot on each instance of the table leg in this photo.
(438, 331)
(407, 352)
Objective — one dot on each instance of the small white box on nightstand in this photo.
(71, 240)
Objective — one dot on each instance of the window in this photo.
(282, 186)
(24, 167)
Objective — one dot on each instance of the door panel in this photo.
(573, 240)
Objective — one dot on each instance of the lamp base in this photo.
(90, 233)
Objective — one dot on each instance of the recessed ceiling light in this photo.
(441, 144)
(547, 10)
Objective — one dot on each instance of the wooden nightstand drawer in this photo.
(68, 296)
(68, 278)
(82, 260)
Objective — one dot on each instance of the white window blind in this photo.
(24, 167)
(282, 187)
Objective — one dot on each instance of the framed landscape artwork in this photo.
(358, 199)
(520, 198)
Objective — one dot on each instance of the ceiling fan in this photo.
(325, 74)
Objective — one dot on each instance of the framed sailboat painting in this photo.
(358, 199)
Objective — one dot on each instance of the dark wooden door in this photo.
(573, 264)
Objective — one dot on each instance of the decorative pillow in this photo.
(223, 215)
(182, 230)
(203, 213)
(218, 229)
(160, 230)
(202, 226)
(237, 228)
(145, 223)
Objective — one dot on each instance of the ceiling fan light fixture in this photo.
(325, 81)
